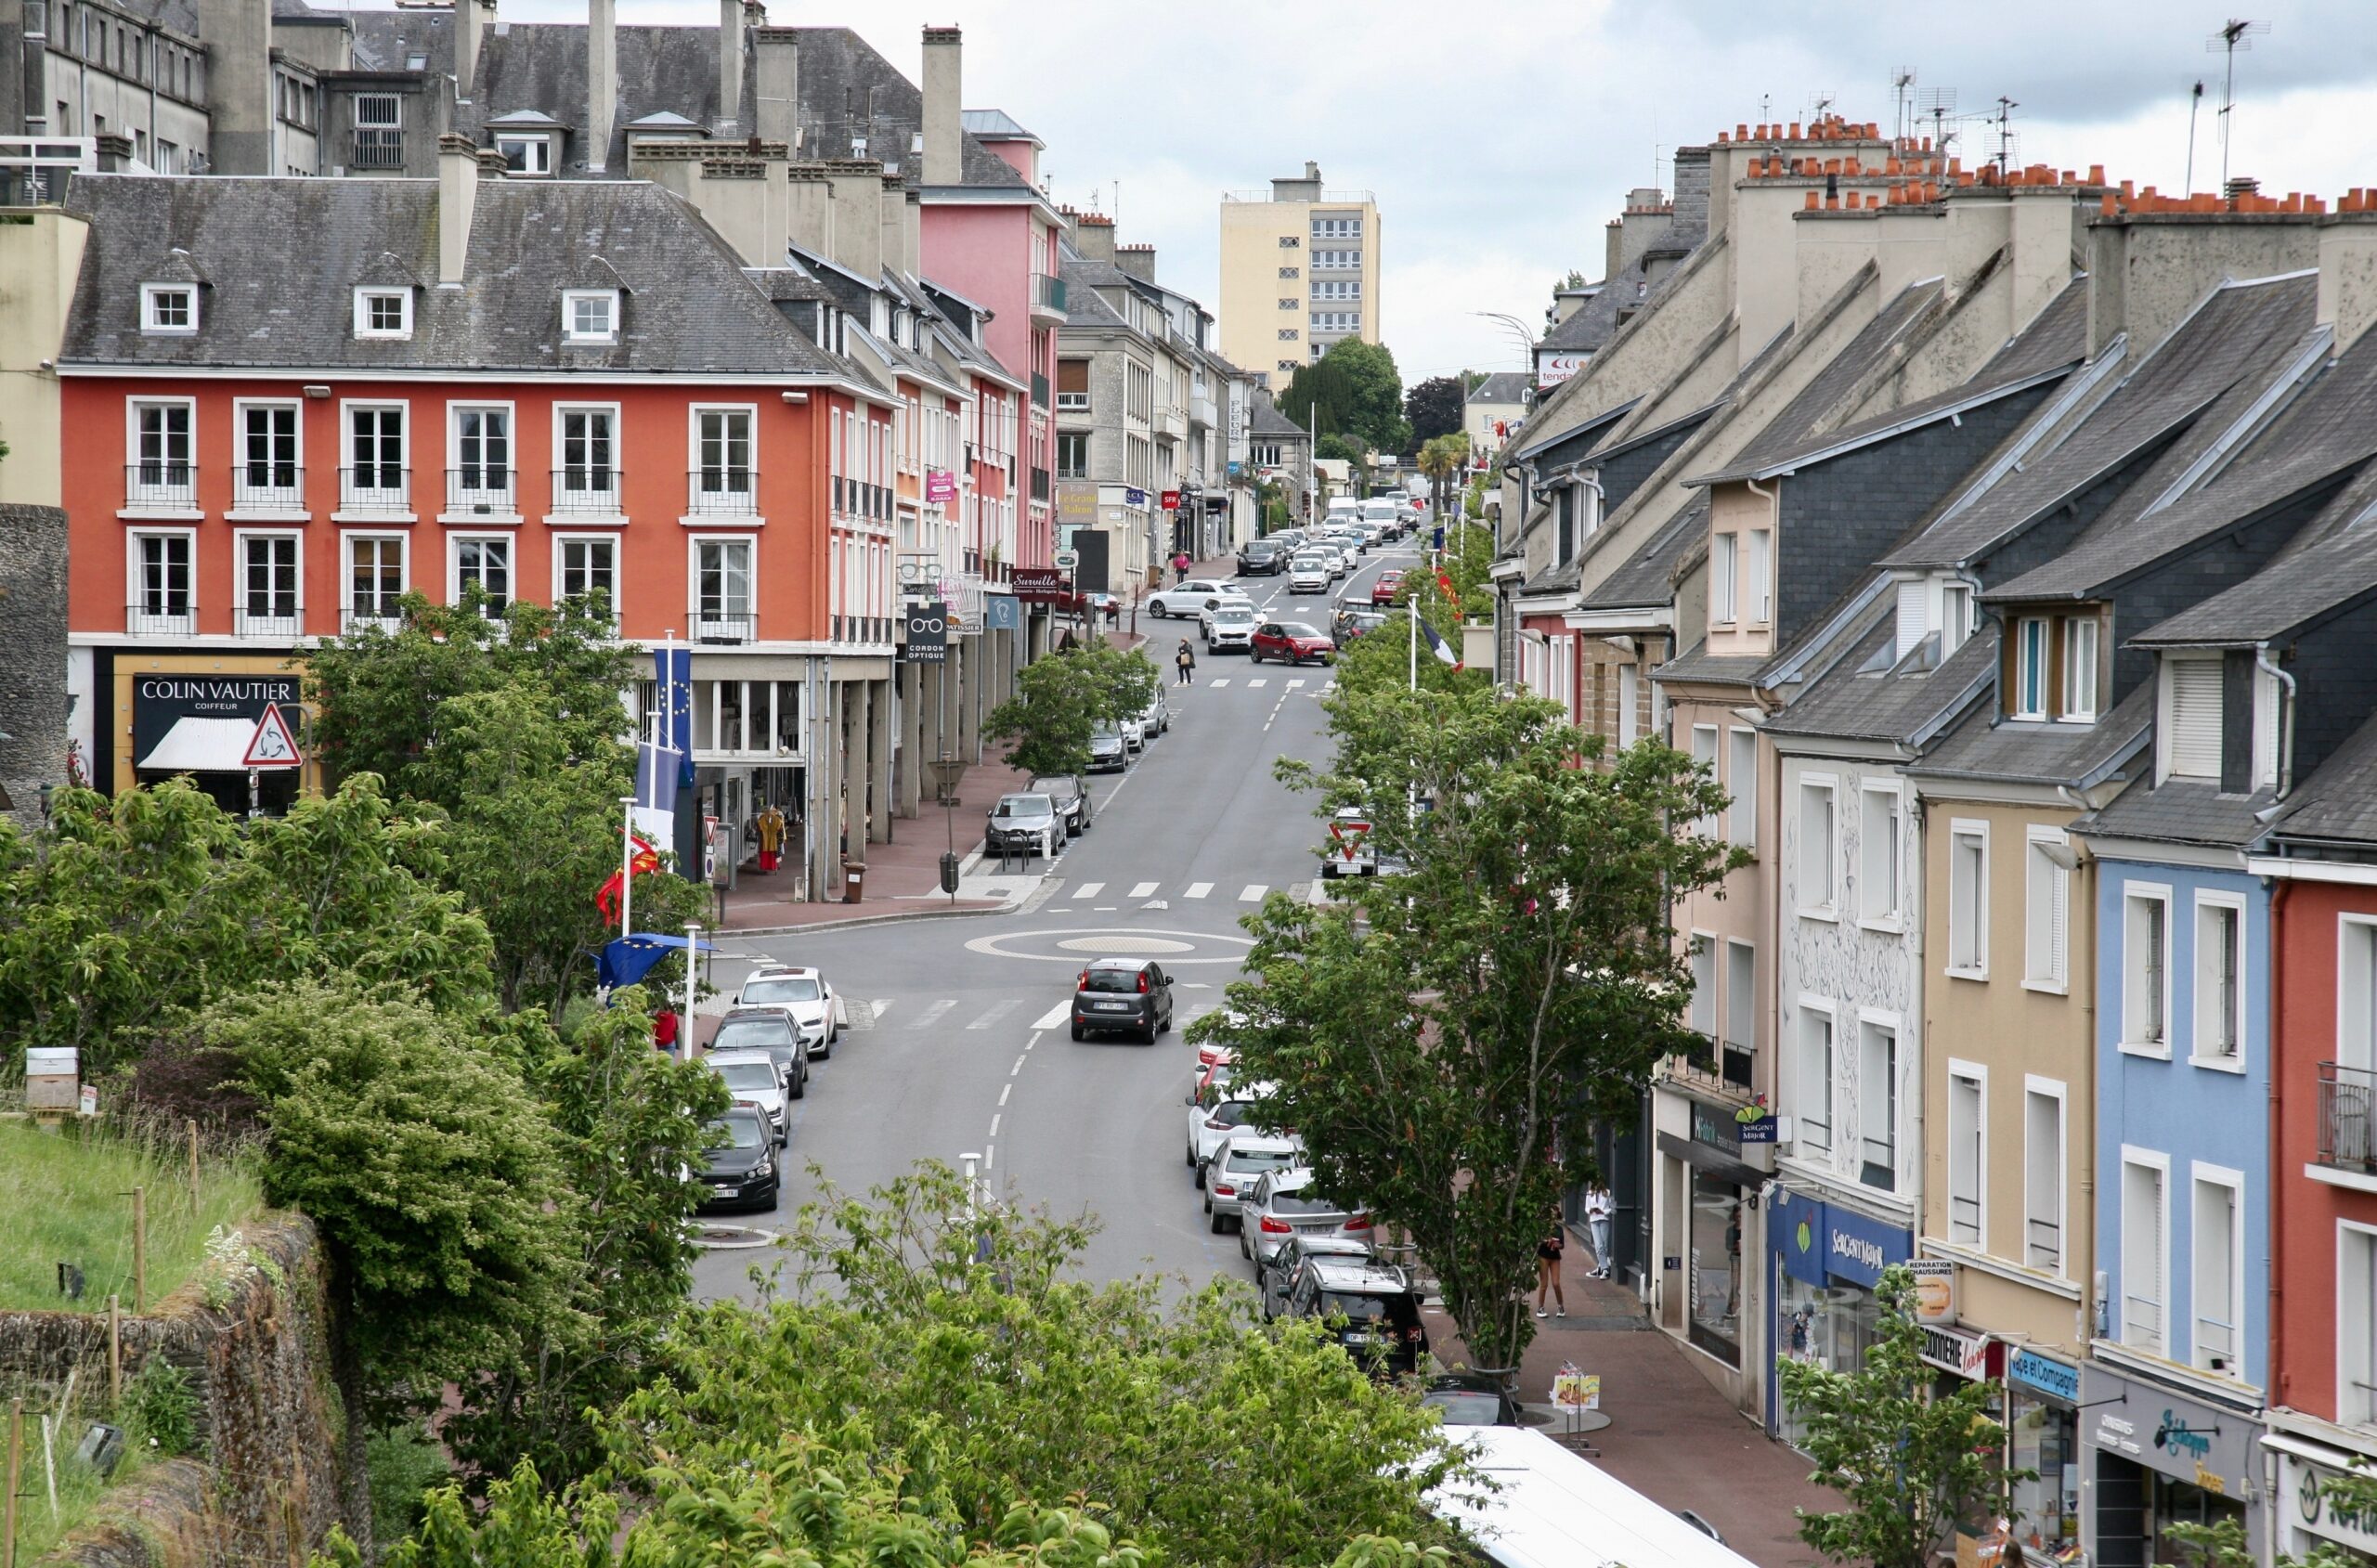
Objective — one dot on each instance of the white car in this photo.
(1243, 1159)
(1188, 596)
(1220, 1111)
(1229, 626)
(1312, 571)
(1156, 718)
(1283, 1204)
(802, 996)
(752, 1079)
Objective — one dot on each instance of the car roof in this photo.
(1329, 1247)
(1345, 1273)
(739, 1058)
(757, 1015)
(1131, 965)
(786, 971)
(1264, 1143)
(1295, 1178)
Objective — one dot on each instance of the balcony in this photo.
(378, 487)
(721, 492)
(161, 485)
(383, 616)
(481, 490)
(2345, 1097)
(378, 149)
(1049, 300)
(275, 618)
(721, 624)
(1039, 391)
(162, 615)
(587, 492)
(267, 486)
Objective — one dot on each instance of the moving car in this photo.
(802, 996)
(1383, 591)
(1244, 1158)
(1311, 571)
(1071, 798)
(1370, 1308)
(770, 1032)
(1261, 559)
(1471, 1399)
(1188, 598)
(1114, 995)
(1107, 752)
(738, 1164)
(1284, 1204)
(1028, 821)
(1351, 624)
(1349, 851)
(1292, 643)
(1230, 625)
(751, 1078)
(1220, 1111)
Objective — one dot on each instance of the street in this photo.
(958, 1041)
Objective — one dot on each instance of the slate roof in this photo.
(542, 66)
(1084, 305)
(1502, 386)
(2181, 812)
(1815, 406)
(1647, 579)
(1866, 695)
(1697, 663)
(689, 306)
(386, 39)
(2023, 751)
(1266, 419)
(845, 86)
(2338, 802)
(2306, 587)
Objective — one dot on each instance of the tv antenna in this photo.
(2006, 108)
(2195, 102)
(1901, 94)
(1816, 105)
(1940, 103)
(2234, 35)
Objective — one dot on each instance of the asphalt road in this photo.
(958, 1040)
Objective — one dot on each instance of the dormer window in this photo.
(2055, 672)
(169, 309)
(590, 314)
(2079, 672)
(2030, 667)
(525, 154)
(2190, 718)
(384, 313)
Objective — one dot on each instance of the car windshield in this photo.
(1254, 1160)
(1296, 628)
(746, 1075)
(1233, 1113)
(752, 1034)
(1233, 614)
(1025, 806)
(732, 1131)
(1109, 978)
(1296, 1203)
(793, 988)
(1463, 1408)
(1105, 727)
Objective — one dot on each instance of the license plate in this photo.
(1314, 1229)
(1112, 1006)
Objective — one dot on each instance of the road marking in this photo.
(994, 1125)
(1031, 1042)
(1144, 888)
(1155, 903)
(1089, 889)
(1293, 684)
(990, 1155)
(1016, 1068)
(1258, 683)
(1106, 909)
(933, 1013)
(993, 1013)
(1197, 889)
(874, 1011)
(1254, 894)
(1218, 685)
(1005, 1090)
(1054, 1015)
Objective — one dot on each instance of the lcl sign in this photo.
(927, 634)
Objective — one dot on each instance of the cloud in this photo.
(1501, 137)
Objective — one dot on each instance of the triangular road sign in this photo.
(273, 745)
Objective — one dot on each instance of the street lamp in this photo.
(1517, 329)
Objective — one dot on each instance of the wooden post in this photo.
(193, 1167)
(115, 1353)
(16, 1474)
(140, 1249)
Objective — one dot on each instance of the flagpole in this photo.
(627, 863)
(1411, 612)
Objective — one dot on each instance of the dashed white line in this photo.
(1218, 685)
(1258, 683)
(994, 1125)
(993, 1013)
(1054, 1015)
(990, 1157)
(932, 1014)
(1144, 888)
(1005, 1090)
(1089, 889)
(1016, 1068)
(1254, 894)
(1197, 889)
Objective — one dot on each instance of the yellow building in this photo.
(1300, 269)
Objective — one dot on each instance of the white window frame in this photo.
(2355, 1396)
(1895, 1059)
(1741, 815)
(2167, 677)
(152, 295)
(136, 586)
(2079, 696)
(355, 501)
(2355, 1031)
(364, 296)
(2055, 977)
(539, 143)
(2202, 1176)
(2209, 899)
(1976, 1075)
(1705, 951)
(347, 539)
(1757, 567)
(561, 468)
(511, 543)
(1963, 831)
(2034, 1086)
(1824, 1009)
(1828, 784)
(1704, 752)
(395, 122)
(1724, 579)
(276, 627)
(560, 543)
(500, 503)
(1890, 917)
(1956, 617)
(266, 499)
(609, 299)
(1736, 1037)
(2132, 1043)
(693, 542)
(694, 468)
(2160, 1163)
(2032, 665)
(163, 499)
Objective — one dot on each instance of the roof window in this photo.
(590, 315)
(169, 309)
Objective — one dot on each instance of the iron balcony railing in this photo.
(2045, 1240)
(1040, 485)
(714, 625)
(273, 616)
(1880, 1165)
(359, 618)
(481, 490)
(588, 490)
(162, 615)
(2345, 1097)
(163, 484)
(1964, 1219)
(267, 486)
(721, 492)
(375, 487)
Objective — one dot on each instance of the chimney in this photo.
(1093, 237)
(891, 214)
(730, 66)
(2348, 275)
(944, 122)
(1136, 260)
(239, 84)
(471, 18)
(855, 221)
(458, 189)
(602, 79)
(808, 208)
(1311, 170)
(776, 93)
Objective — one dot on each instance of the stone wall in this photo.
(269, 1420)
(32, 655)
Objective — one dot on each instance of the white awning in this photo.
(203, 745)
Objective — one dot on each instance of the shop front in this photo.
(2307, 1512)
(1714, 1197)
(194, 716)
(1827, 1260)
(2159, 1458)
(2043, 1439)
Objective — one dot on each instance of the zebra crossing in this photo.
(1065, 898)
(897, 1013)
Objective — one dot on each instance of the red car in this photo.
(1383, 593)
(1291, 643)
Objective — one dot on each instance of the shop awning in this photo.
(1715, 1160)
(203, 745)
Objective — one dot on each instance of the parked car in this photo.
(768, 1032)
(1156, 719)
(1292, 643)
(1218, 1112)
(751, 1079)
(1263, 558)
(1113, 995)
(1471, 1399)
(1134, 734)
(1107, 752)
(1071, 798)
(1284, 1204)
(1244, 1158)
(1351, 624)
(1383, 591)
(1230, 625)
(739, 1163)
(1271, 1275)
(1349, 851)
(802, 994)
(1370, 1308)
(1027, 820)
(1188, 598)
(1312, 571)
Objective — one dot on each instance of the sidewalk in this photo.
(1673, 1436)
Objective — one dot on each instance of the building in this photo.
(1299, 271)
(1491, 413)
(1280, 452)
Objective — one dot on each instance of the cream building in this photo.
(1300, 270)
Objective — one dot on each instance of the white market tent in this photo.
(1555, 1509)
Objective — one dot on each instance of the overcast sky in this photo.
(1499, 135)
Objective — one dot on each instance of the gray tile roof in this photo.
(846, 87)
(1084, 307)
(541, 66)
(2338, 803)
(1906, 700)
(2020, 751)
(1697, 663)
(995, 123)
(390, 40)
(2179, 811)
(1647, 579)
(1570, 442)
(2305, 588)
(1502, 387)
(283, 255)
(1825, 400)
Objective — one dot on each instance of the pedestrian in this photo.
(1179, 567)
(1185, 662)
(1547, 1268)
(664, 1029)
(1597, 1226)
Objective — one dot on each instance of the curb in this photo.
(857, 921)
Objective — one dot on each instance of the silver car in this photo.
(1312, 571)
(752, 1079)
(1217, 1113)
(1284, 1205)
(801, 995)
(1231, 626)
(1157, 717)
(1244, 1158)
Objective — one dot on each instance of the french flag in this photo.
(1438, 646)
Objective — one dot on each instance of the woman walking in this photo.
(1597, 1226)
(1185, 662)
(1547, 1268)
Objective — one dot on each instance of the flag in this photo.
(1451, 598)
(644, 858)
(1438, 646)
(674, 671)
(657, 770)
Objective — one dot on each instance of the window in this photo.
(723, 453)
(486, 565)
(268, 578)
(1704, 985)
(1755, 592)
(1878, 1105)
(1956, 617)
(2043, 1175)
(723, 590)
(483, 459)
(2190, 718)
(161, 475)
(2143, 1222)
(1741, 780)
(1741, 1010)
(375, 451)
(1629, 727)
(1722, 589)
(1287, 335)
(1704, 753)
(2030, 667)
(267, 476)
(1881, 846)
(1816, 853)
(1073, 455)
(2356, 994)
(2145, 970)
(590, 467)
(2217, 1254)
(585, 567)
(2047, 911)
(2079, 669)
(379, 109)
(1288, 242)
(589, 315)
(2219, 988)
(384, 313)
(527, 155)
(375, 578)
(168, 309)
(163, 603)
(1815, 1081)
(1968, 1151)
(1968, 900)
(2356, 1325)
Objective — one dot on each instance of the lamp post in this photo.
(1518, 329)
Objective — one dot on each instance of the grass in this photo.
(65, 1197)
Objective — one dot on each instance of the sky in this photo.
(1500, 136)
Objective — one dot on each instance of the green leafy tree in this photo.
(1352, 390)
(1913, 1462)
(1059, 699)
(1444, 1035)
(1336, 447)
(1436, 407)
(1442, 459)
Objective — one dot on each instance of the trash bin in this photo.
(853, 881)
(949, 871)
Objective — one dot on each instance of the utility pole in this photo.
(2195, 102)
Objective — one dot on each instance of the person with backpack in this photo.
(1185, 662)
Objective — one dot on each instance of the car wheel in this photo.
(801, 1087)
(1188, 1157)
(1244, 1249)
(1148, 1037)
(1081, 1033)
(1216, 1226)
(1201, 1179)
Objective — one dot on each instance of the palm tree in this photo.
(1441, 458)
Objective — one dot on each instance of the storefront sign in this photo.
(1042, 585)
(1858, 1249)
(1960, 1351)
(1077, 504)
(2316, 1511)
(160, 701)
(1001, 613)
(1755, 1124)
(2044, 1374)
(1935, 1289)
(2166, 1432)
(1171, 501)
(940, 486)
(1135, 496)
(928, 635)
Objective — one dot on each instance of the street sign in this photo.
(1067, 560)
(272, 745)
(1135, 496)
(1041, 585)
(1171, 501)
(927, 634)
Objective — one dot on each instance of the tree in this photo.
(1442, 459)
(1444, 1037)
(1339, 448)
(1913, 1462)
(1436, 407)
(1061, 699)
(1355, 391)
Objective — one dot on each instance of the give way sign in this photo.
(1347, 835)
(272, 745)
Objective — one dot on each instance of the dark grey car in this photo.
(768, 1030)
(1108, 752)
(1072, 796)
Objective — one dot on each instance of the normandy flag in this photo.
(1438, 646)
(643, 860)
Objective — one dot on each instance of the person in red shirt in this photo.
(664, 1031)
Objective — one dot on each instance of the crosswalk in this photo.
(889, 1013)
(1079, 894)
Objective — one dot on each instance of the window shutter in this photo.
(1910, 616)
(2059, 924)
(2194, 743)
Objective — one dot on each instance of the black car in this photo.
(1072, 796)
(1350, 624)
(1471, 1399)
(1370, 1308)
(739, 1166)
(1273, 1276)
(1262, 558)
(1119, 995)
(766, 1028)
